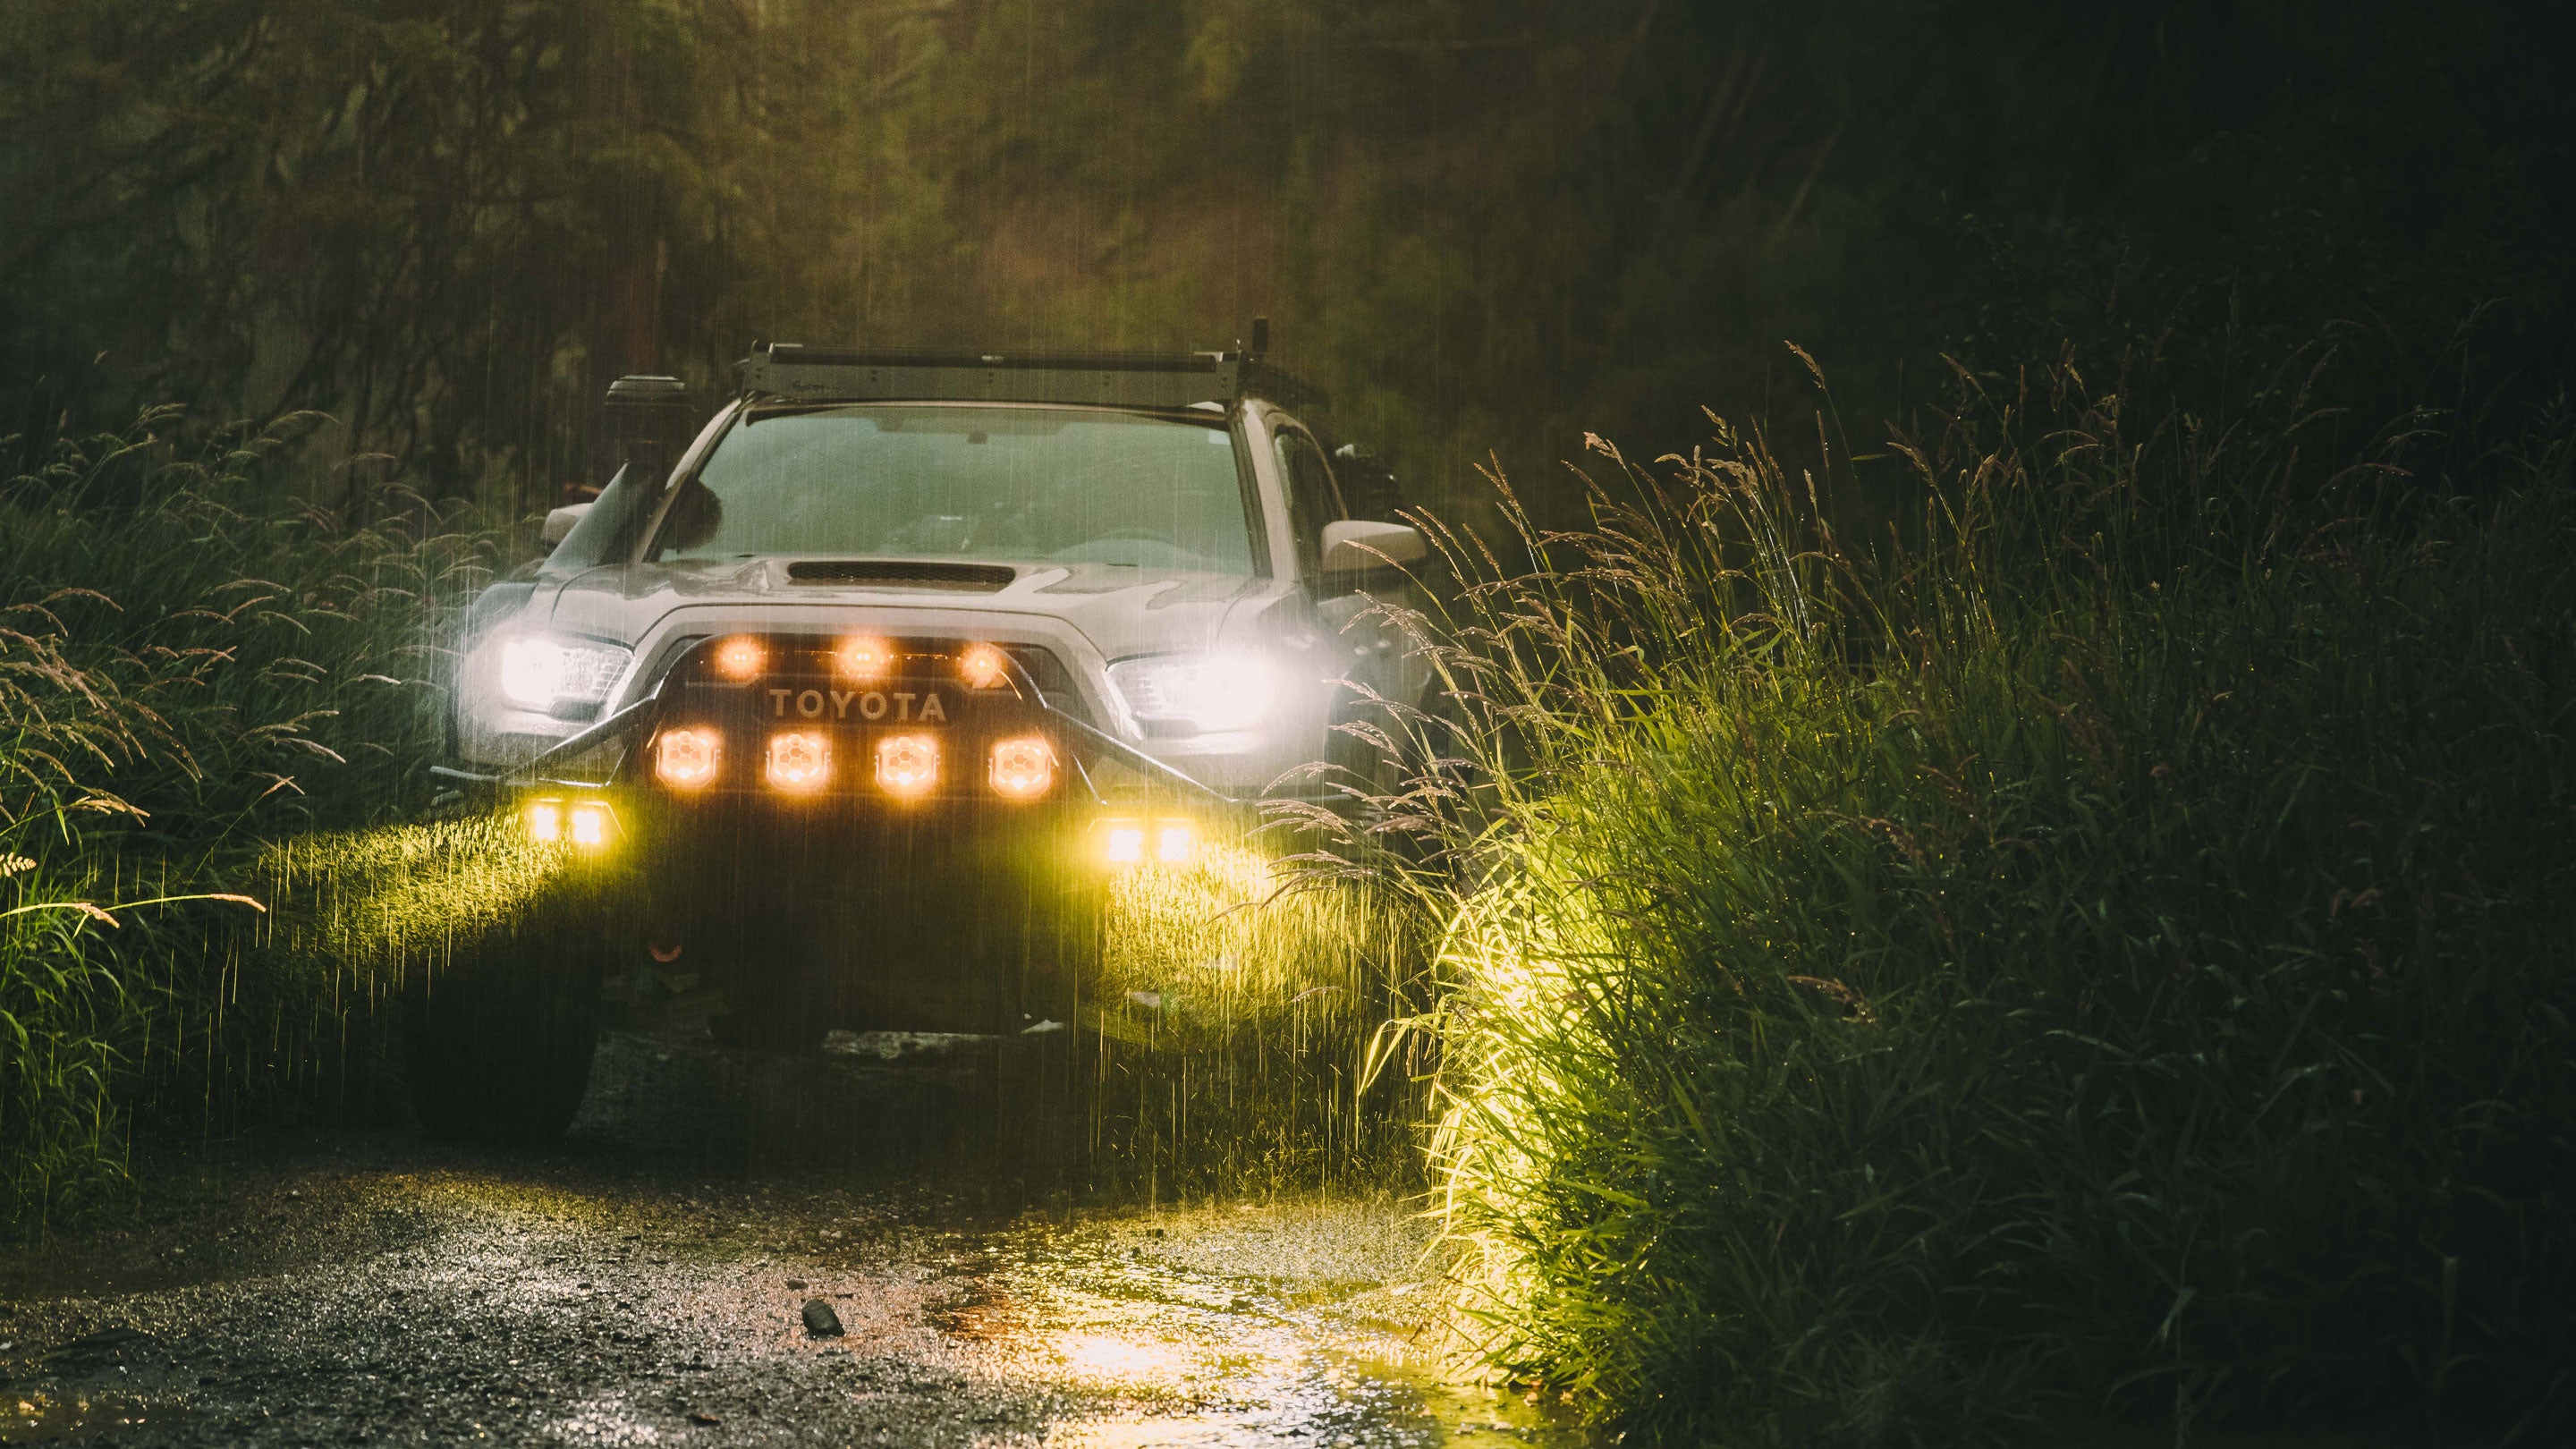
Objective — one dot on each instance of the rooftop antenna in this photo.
(1260, 336)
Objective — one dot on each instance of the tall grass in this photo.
(1232, 1030)
(2102, 955)
(195, 664)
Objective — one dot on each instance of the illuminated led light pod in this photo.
(590, 825)
(687, 759)
(1023, 767)
(908, 765)
(800, 761)
(983, 667)
(863, 656)
(1123, 842)
(1175, 841)
(546, 821)
(741, 657)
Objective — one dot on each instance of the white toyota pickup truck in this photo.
(863, 690)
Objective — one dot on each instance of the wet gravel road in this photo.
(652, 1283)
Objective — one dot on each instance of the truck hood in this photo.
(1120, 610)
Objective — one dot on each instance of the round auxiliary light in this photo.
(863, 657)
(686, 759)
(741, 657)
(908, 765)
(1023, 768)
(983, 667)
(800, 761)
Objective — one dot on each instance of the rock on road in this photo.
(642, 1286)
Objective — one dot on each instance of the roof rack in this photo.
(1163, 380)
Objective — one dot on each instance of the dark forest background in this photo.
(1489, 228)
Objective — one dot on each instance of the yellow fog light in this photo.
(983, 667)
(590, 825)
(545, 822)
(740, 657)
(1125, 843)
(908, 764)
(1023, 768)
(1175, 841)
(863, 657)
(686, 759)
(800, 761)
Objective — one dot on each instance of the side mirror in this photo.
(650, 418)
(559, 522)
(1369, 488)
(1355, 547)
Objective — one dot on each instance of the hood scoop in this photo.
(968, 578)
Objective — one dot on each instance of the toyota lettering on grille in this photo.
(870, 705)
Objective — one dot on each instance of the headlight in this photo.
(545, 672)
(1211, 694)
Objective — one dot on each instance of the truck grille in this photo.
(866, 716)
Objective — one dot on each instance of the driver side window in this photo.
(1313, 501)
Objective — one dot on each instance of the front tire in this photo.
(501, 1042)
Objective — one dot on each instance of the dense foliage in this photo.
(2107, 958)
(1487, 227)
(195, 666)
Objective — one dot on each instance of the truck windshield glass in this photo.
(1026, 484)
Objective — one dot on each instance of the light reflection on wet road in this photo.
(644, 1286)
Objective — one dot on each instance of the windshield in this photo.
(1032, 484)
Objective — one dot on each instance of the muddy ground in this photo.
(649, 1283)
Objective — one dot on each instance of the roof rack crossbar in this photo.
(1164, 380)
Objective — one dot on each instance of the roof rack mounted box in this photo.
(1164, 380)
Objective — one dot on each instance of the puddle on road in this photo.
(1225, 1327)
(1232, 1328)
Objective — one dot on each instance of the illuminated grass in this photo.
(380, 902)
(1233, 1024)
(2103, 960)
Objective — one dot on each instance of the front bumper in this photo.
(813, 884)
